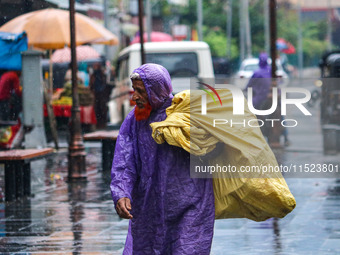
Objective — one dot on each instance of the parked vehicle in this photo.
(250, 65)
(315, 94)
(330, 101)
(183, 60)
(222, 70)
(330, 94)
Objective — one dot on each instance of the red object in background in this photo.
(87, 114)
(155, 37)
(285, 47)
(9, 82)
(11, 136)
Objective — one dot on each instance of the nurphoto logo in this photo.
(238, 103)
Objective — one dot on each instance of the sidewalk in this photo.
(63, 218)
(79, 218)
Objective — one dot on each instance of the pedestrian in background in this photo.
(261, 84)
(98, 87)
(169, 212)
(83, 73)
(10, 91)
(68, 76)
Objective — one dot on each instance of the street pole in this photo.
(266, 25)
(199, 20)
(272, 20)
(141, 30)
(241, 29)
(300, 47)
(148, 20)
(329, 25)
(229, 27)
(275, 132)
(247, 27)
(106, 22)
(76, 153)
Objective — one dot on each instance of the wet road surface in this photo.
(61, 217)
(79, 218)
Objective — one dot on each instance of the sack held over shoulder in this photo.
(256, 195)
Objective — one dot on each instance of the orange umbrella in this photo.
(50, 29)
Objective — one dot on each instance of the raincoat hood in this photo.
(263, 58)
(157, 83)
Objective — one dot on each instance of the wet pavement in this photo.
(61, 217)
(79, 218)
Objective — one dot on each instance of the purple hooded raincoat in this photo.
(172, 213)
(261, 82)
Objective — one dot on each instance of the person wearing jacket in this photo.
(99, 88)
(261, 82)
(169, 212)
(9, 86)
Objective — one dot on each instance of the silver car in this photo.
(250, 65)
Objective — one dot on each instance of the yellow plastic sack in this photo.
(257, 196)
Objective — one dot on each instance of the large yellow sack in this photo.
(257, 196)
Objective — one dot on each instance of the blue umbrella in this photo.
(284, 46)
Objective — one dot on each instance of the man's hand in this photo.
(123, 208)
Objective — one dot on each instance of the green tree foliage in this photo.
(287, 25)
(217, 41)
(313, 34)
(256, 18)
(215, 22)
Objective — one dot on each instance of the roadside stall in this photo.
(62, 104)
(49, 29)
(11, 129)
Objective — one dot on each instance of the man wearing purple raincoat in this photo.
(261, 82)
(170, 213)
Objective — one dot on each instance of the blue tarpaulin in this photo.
(11, 45)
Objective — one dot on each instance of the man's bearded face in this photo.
(140, 96)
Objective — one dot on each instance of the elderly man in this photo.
(169, 212)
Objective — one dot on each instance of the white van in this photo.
(183, 60)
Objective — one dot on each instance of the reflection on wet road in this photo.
(63, 217)
(79, 218)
